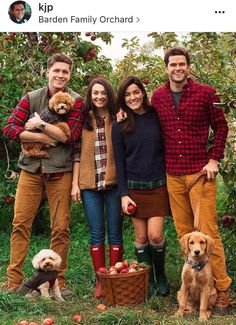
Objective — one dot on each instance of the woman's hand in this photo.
(125, 201)
(75, 193)
(121, 116)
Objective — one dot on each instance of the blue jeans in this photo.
(97, 204)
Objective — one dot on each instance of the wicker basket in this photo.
(127, 289)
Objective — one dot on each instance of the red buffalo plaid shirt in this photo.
(21, 113)
(186, 130)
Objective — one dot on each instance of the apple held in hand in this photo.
(131, 208)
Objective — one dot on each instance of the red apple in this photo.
(23, 322)
(112, 270)
(101, 307)
(77, 318)
(33, 323)
(88, 34)
(9, 199)
(48, 321)
(227, 221)
(125, 263)
(119, 266)
(103, 270)
(93, 37)
(146, 81)
(133, 264)
(124, 271)
(131, 270)
(131, 208)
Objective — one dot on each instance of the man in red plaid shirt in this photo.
(53, 174)
(186, 111)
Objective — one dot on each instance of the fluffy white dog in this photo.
(46, 263)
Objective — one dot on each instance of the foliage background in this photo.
(23, 58)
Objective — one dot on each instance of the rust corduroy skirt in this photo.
(150, 203)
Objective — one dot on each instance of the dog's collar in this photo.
(196, 266)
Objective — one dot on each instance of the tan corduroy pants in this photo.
(28, 196)
(182, 206)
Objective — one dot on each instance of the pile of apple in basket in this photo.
(123, 268)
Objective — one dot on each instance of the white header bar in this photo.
(123, 15)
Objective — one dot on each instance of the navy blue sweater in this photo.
(139, 155)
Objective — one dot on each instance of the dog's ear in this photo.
(57, 259)
(72, 102)
(36, 261)
(51, 103)
(184, 243)
(210, 245)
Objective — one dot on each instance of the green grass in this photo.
(80, 276)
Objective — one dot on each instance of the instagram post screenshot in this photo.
(118, 168)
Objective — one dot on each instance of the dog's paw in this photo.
(203, 319)
(179, 313)
(59, 299)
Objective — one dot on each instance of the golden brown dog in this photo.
(59, 106)
(197, 290)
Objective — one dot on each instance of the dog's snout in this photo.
(197, 252)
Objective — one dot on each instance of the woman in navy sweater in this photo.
(140, 168)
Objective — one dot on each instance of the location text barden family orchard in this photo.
(89, 20)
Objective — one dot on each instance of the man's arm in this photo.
(15, 129)
(50, 130)
(219, 126)
(16, 121)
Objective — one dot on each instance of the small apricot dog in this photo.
(197, 290)
(46, 263)
(55, 113)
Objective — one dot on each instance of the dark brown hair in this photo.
(176, 51)
(127, 125)
(89, 106)
(16, 3)
(59, 57)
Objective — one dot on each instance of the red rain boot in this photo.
(116, 253)
(97, 253)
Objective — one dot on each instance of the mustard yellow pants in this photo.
(182, 206)
(28, 197)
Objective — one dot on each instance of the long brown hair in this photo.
(127, 125)
(89, 106)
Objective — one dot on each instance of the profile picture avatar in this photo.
(19, 12)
